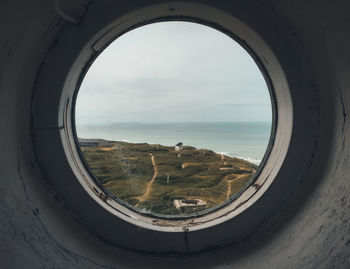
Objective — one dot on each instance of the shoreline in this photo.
(255, 161)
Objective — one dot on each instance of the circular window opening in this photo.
(174, 119)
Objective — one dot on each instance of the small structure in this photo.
(180, 204)
(92, 142)
(179, 146)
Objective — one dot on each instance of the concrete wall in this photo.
(310, 230)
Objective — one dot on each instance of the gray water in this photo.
(246, 140)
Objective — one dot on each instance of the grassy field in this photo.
(127, 170)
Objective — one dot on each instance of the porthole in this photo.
(158, 182)
(113, 217)
(173, 120)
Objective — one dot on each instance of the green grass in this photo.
(125, 169)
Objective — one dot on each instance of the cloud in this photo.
(173, 72)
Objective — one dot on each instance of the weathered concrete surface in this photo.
(311, 230)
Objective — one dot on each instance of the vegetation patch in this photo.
(151, 177)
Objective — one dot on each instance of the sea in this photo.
(246, 140)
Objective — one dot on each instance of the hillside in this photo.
(151, 177)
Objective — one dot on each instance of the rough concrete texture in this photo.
(311, 230)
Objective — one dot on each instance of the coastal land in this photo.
(167, 180)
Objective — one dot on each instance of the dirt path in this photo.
(149, 184)
(229, 185)
(107, 148)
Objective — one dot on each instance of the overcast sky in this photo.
(173, 72)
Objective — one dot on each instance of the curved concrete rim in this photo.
(279, 140)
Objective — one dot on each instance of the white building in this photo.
(179, 146)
